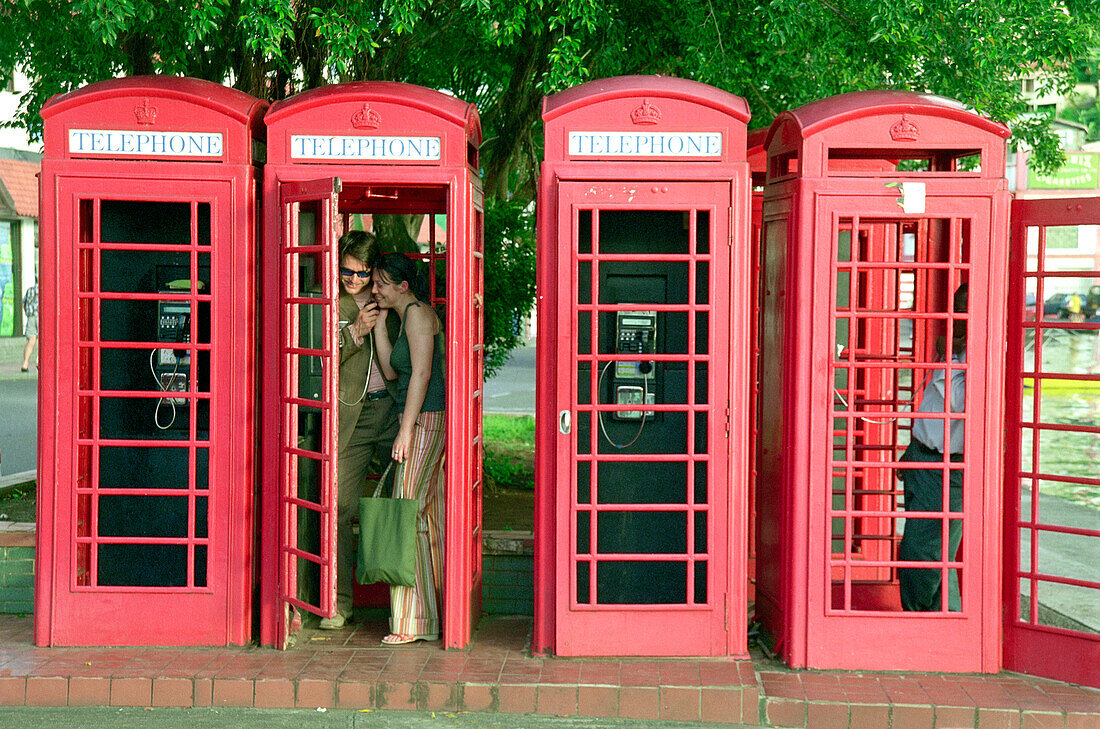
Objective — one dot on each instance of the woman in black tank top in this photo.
(415, 360)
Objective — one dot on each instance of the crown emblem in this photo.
(366, 118)
(904, 130)
(646, 113)
(145, 114)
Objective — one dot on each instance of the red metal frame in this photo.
(712, 251)
(135, 520)
(316, 500)
(1041, 434)
(444, 181)
(858, 275)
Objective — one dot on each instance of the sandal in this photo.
(405, 638)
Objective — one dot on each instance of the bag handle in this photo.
(382, 479)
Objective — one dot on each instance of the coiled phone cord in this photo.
(599, 413)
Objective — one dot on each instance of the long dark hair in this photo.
(399, 267)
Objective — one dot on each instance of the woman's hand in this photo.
(402, 444)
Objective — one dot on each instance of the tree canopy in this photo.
(505, 55)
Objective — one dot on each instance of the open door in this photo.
(1051, 532)
(308, 436)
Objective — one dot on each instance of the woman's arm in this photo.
(383, 345)
(420, 331)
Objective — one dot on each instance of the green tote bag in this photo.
(387, 538)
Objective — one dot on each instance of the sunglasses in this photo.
(361, 274)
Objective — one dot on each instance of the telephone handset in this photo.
(635, 333)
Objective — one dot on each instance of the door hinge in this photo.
(726, 612)
(727, 419)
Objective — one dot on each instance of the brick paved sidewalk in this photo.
(350, 669)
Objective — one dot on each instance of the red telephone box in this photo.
(878, 207)
(147, 366)
(643, 363)
(363, 149)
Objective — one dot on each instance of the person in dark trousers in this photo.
(367, 420)
(923, 537)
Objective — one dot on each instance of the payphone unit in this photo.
(635, 333)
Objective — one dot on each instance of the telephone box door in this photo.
(145, 557)
(1052, 535)
(642, 439)
(309, 311)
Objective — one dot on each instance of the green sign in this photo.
(1080, 172)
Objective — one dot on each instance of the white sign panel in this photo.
(403, 149)
(113, 142)
(645, 144)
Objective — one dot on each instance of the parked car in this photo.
(1055, 305)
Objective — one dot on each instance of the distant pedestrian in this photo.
(30, 324)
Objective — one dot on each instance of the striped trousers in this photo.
(416, 610)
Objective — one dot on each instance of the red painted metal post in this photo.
(878, 206)
(398, 149)
(146, 425)
(643, 370)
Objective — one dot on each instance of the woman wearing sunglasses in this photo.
(368, 421)
(414, 358)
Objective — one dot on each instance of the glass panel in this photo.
(309, 530)
(310, 420)
(165, 418)
(584, 231)
(584, 282)
(143, 516)
(700, 583)
(702, 233)
(309, 580)
(202, 516)
(311, 320)
(700, 536)
(701, 492)
(1071, 453)
(643, 282)
(130, 271)
(641, 583)
(1025, 601)
(582, 427)
(583, 581)
(584, 526)
(1066, 402)
(702, 332)
(702, 383)
(584, 482)
(666, 432)
(1025, 550)
(641, 532)
(702, 283)
(147, 565)
(642, 482)
(1071, 351)
(702, 445)
(200, 565)
(307, 223)
(1071, 556)
(134, 467)
(311, 369)
(309, 479)
(584, 332)
(166, 223)
(644, 231)
(152, 370)
(1069, 606)
(1070, 504)
(584, 383)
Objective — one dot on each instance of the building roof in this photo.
(19, 187)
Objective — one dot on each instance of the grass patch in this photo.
(509, 451)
